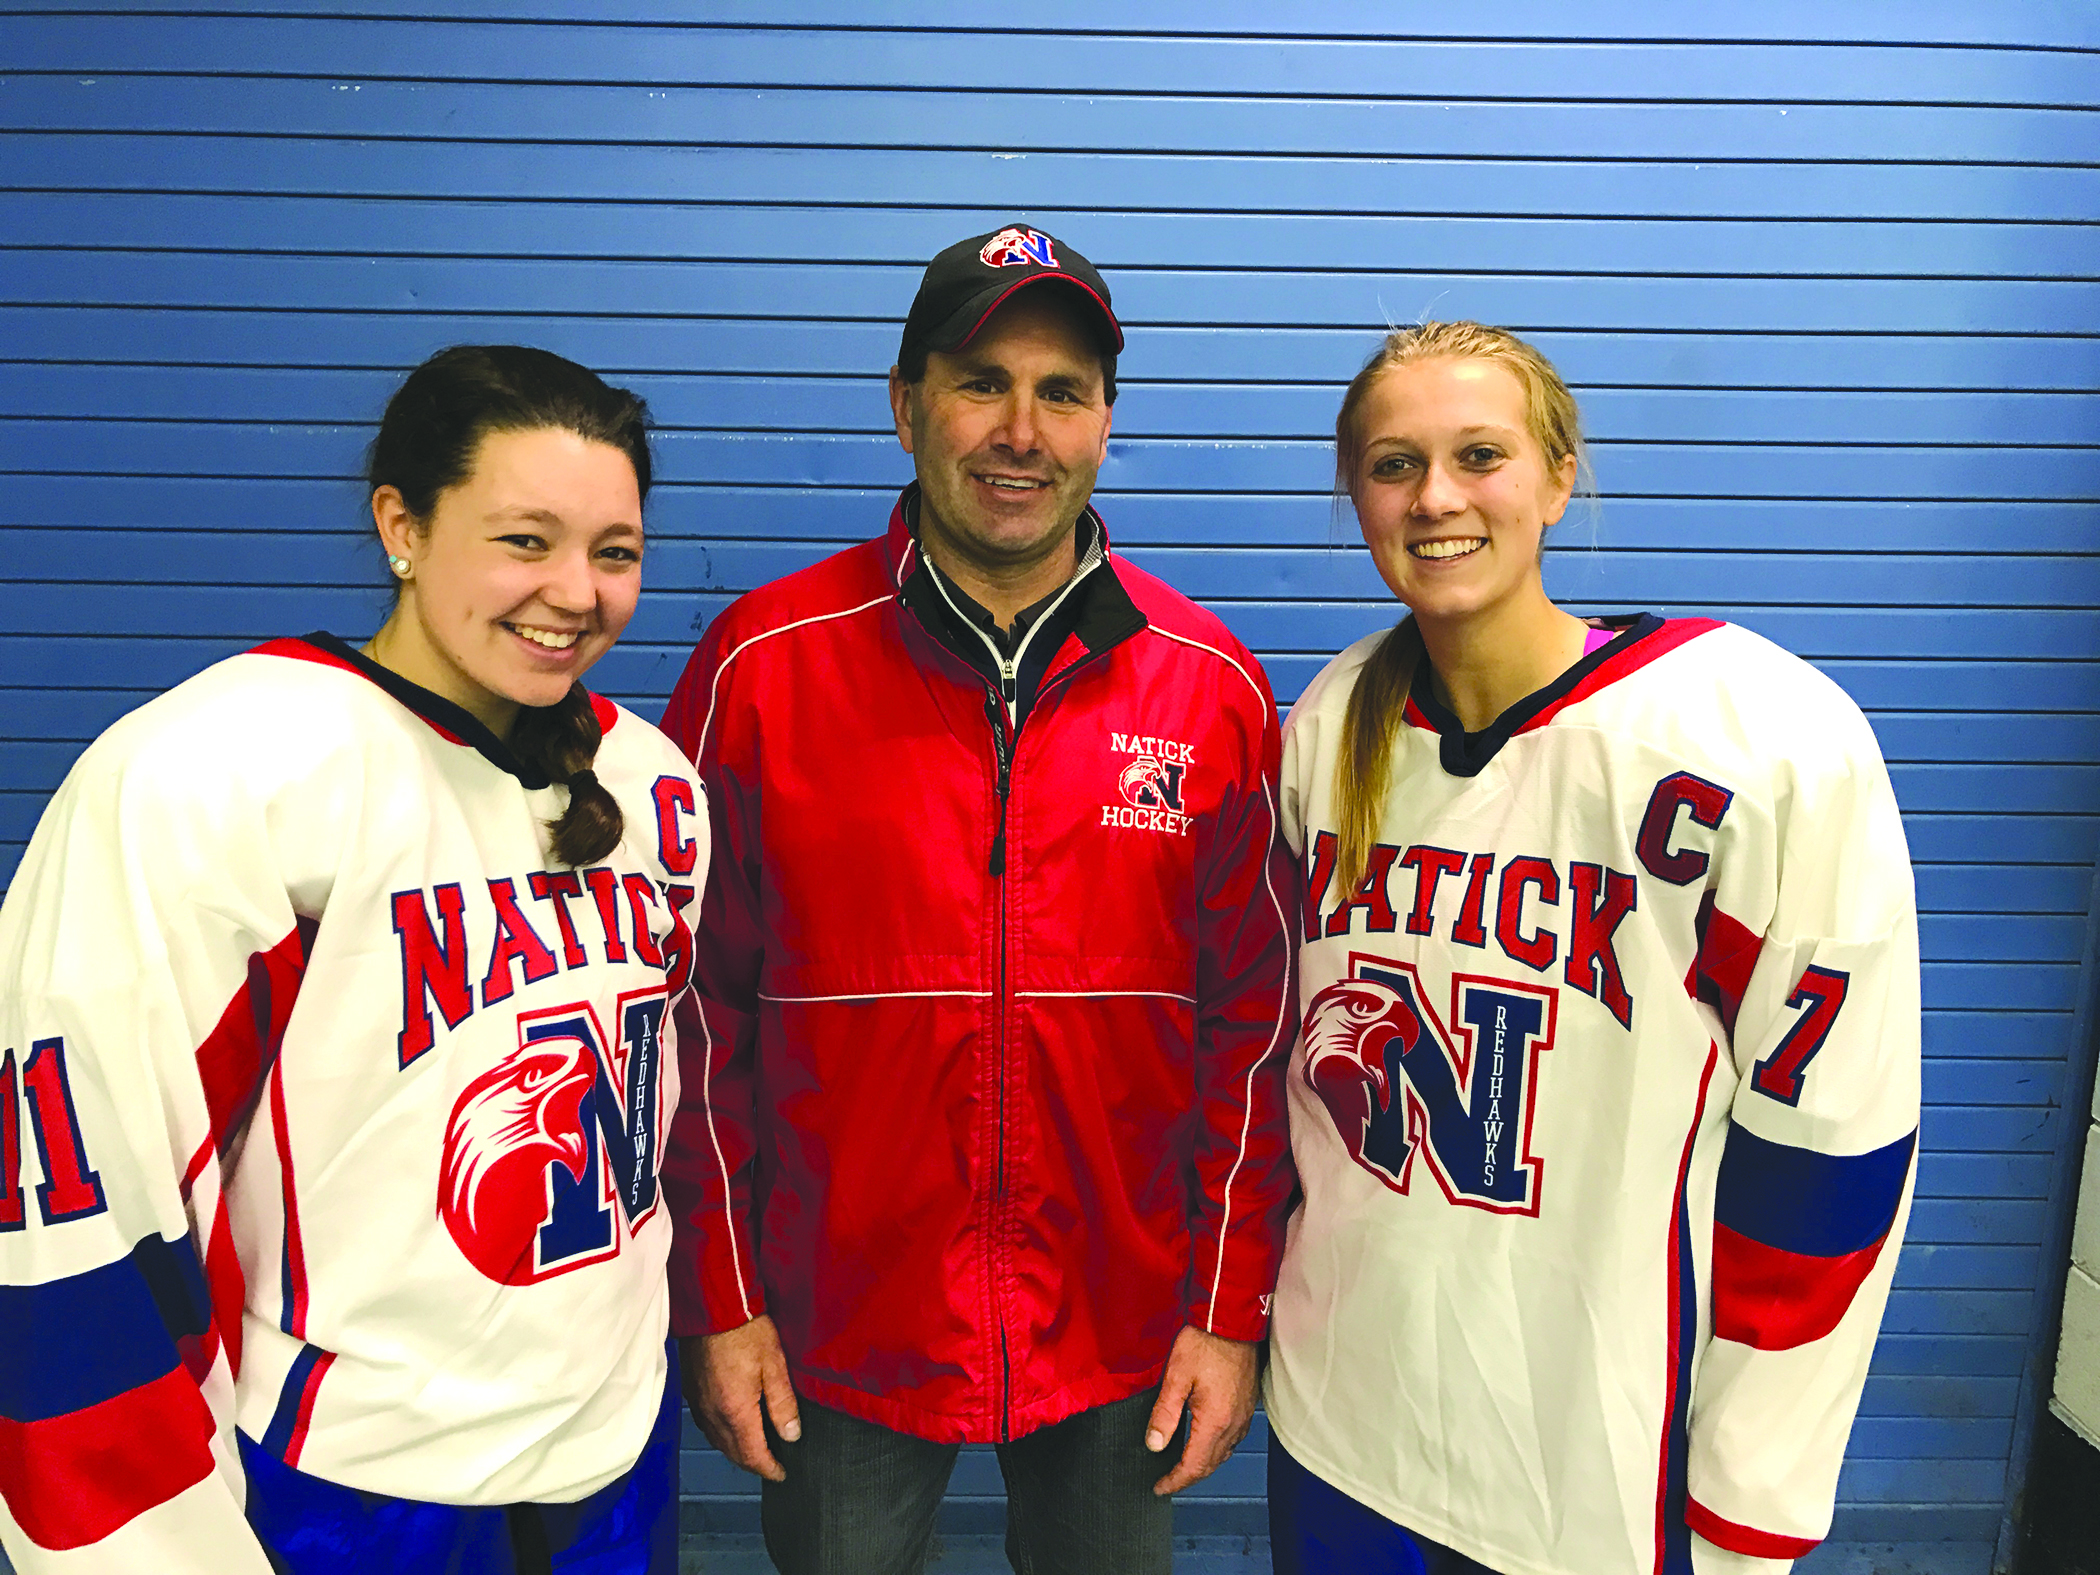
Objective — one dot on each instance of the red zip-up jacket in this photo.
(984, 1101)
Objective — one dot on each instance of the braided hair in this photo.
(428, 441)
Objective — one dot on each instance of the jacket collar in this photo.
(1107, 617)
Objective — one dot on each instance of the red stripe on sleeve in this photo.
(224, 1282)
(234, 1054)
(1744, 1539)
(227, 1284)
(1774, 1300)
(1728, 954)
(71, 1480)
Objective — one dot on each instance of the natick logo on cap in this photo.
(966, 282)
(1015, 247)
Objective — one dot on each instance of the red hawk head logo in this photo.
(1347, 1029)
(1146, 784)
(509, 1125)
(1017, 247)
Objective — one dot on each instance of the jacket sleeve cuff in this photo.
(1231, 1315)
(710, 1298)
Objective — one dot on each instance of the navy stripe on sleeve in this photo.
(1797, 1200)
(284, 1422)
(76, 1342)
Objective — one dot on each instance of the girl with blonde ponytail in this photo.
(1605, 1098)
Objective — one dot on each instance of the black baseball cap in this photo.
(968, 281)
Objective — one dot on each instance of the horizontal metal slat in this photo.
(336, 49)
(2024, 1176)
(252, 614)
(881, 292)
(682, 507)
(1955, 1398)
(1139, 464)
(315, 335)
(1386, 126)
(683, 565)
(1955, 1355)
(831, 404)
(1934, 1481)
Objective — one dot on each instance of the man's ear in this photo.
(902, 397)
(1108, 417)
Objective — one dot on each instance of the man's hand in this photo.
(727, 1377)
(1215, 1379)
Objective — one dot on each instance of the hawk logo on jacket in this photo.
(1396, 1084)
(1014, 247)
(1150, 785)
(545, 1149)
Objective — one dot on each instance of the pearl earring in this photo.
(400, 566)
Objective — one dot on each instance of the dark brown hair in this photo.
(429, 440)
(1363, 765)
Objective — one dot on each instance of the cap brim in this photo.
(964, 324)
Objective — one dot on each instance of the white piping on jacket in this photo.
(1090, 995)
(707, 1103)
(882, 995)
(1282, 1004)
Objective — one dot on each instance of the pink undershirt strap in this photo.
(1597, 639)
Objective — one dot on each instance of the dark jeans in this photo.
(860, 1499)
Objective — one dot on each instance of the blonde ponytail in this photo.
(1363, 766)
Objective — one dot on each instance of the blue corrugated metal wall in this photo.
(1825, 279)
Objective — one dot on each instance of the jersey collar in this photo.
(450, 722)
(1641, 638)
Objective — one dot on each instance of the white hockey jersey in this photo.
(331, 1112)
(1605, 1106)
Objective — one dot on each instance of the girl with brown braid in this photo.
(353, 979)
(507, 487)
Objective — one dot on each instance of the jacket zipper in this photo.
(1003, 759)
(997, 708)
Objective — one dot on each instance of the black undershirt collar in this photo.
(954, 617)
(1464, 754)
(1009, 639)
(435, 709)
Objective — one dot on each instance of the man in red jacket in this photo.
(982, 1131)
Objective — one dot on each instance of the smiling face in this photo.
(1452, 488)
(521, 577)
(1007, 434)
